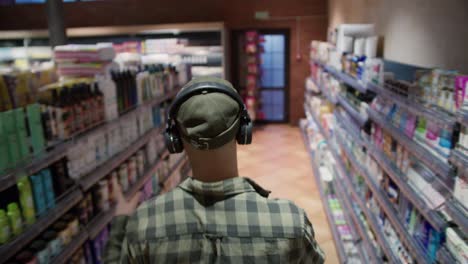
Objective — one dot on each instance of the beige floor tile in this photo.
(279, 162)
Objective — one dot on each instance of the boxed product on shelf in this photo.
(83, 60)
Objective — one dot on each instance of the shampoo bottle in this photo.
(5, 229)
(14, 215)
(26, 200)
(48, 188)
(39, 196)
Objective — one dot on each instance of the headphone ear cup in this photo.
(248, 133)
(173, 141)
(244, 137)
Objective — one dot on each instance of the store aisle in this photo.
(278, 161)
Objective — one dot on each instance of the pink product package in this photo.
(460, 91)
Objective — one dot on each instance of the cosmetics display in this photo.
(399, 140)
(48, 246)
(65, 140)
(343, 227)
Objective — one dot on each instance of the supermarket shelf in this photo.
(64, 203)
(173, 169)
(351, 81)
(369, 249)
(401, 181)
(336, 237)
(458, 214)
(444, 256)
(107, 167)
(325, 93)
(148, 173)
(440, 167)
(462, 117)
(60, 150)
(347, 124)
(71, 248)
(459, 160)
(367, 242)
(38, 163)
(163, 98)
(414, 107)
(316, 120)
(413, 247)
(101, 220)
(352, 111)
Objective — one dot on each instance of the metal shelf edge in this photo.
(441, 168)
(349, 80)
(413, 106)
(413, 247)
(68, 200)
(409, 193)
(141, 180)
(71, 248)
(104, 169)
(380, 240)
(99, 222)
(459, 217)
(362, 233)
(336, 237)
(352, 112)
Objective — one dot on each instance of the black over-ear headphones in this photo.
(172, 136)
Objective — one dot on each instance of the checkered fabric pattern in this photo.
(230, 221)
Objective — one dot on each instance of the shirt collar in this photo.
(224, 188)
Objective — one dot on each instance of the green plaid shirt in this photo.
(230, 221)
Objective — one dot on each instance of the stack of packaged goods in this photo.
(253, 49)
(83, 60)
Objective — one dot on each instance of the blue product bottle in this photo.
(445, 141)
(38, 192)
(434, 244)
(48, 188)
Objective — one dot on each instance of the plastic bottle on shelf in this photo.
(26, 199)
(14, 215)
(5, 228)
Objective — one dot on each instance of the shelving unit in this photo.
(414, 107)
(402, 182)
(71, 248)
(345, 199)
(349, 80)
(413, 247)
(73, 196)
(440, 167)
(370, 218)
(325, 93)
(64, 203)
(336, 237)
(59, 151)
(455, 210)
(107, 167)
(141, 180)
(442, 171)
(10, 177)
(361, 120)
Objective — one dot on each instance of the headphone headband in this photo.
(201, 88)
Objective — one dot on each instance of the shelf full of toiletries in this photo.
(414, 131)
(65, 132)
(343, 226)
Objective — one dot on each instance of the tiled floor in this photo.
(278, 161)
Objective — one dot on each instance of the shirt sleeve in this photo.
(116, 247)
(312, 253)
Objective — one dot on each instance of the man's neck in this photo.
(213, 173)
(214, 165)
